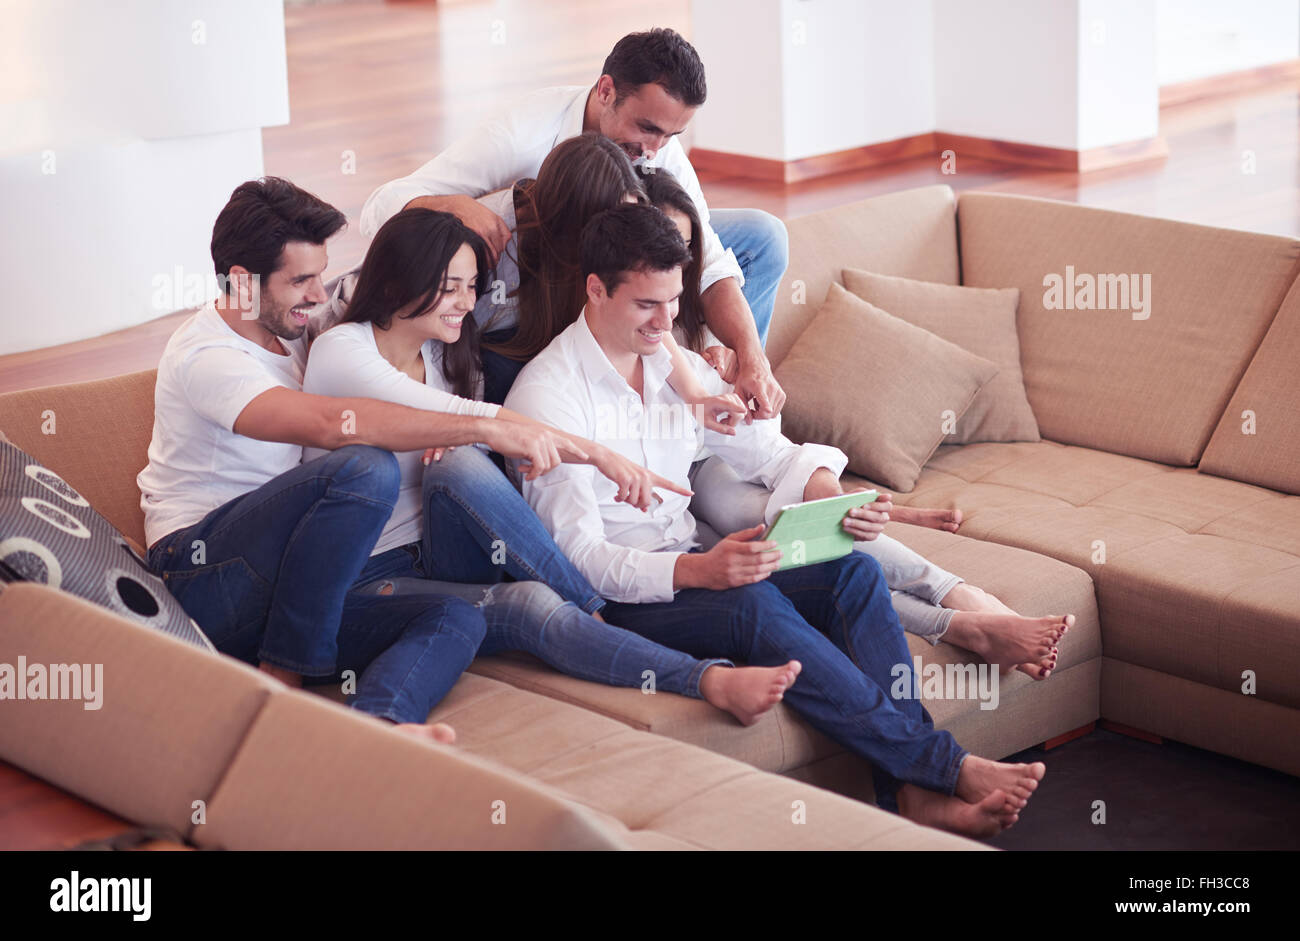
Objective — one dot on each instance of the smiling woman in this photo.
(423, 263)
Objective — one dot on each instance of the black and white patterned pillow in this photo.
(50, 534)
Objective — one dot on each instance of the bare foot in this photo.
(987, 818)
(747, 692)
(1033, 671)
(440, 733)
(947, 520)
(980, 777)
(1008, 639)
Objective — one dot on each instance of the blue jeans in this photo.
(762, 248)
(477, 528)
(530, 617)
(836, 619)
(276, 577)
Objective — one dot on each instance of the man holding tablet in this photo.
(605, 377)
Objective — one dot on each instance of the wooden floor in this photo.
(376, 89)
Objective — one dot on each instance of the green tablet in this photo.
(811, 532)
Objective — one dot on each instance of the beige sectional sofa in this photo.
(1200, 582)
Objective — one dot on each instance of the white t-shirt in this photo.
(207, 375)
(345, 361)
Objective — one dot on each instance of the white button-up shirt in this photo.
(511, 147)
(626, 554)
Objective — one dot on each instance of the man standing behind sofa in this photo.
(261, 550)
(650, 87)
(605, 377)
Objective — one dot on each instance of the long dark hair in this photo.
(407, 263)
(582, 176)
(664, 193)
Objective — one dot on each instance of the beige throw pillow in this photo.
(883, 391)
(979, 320)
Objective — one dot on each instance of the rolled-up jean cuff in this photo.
(293, 666)
(944, 619)
(593, 604)
(697, 674)
(945, 585)
(955, 772)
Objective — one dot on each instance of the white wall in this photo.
(1007, 69)
(130, 125)
(856, 71)
(1117, 94)
(795, 78)
(1196, 38)
(741, 45)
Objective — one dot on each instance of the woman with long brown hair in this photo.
(539, 288)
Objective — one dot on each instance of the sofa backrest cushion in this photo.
(1258, 437)
(911, 234)
(167, 721)
(313, 775)
(1147, 383)
(95, 435)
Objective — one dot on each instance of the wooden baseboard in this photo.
(1131, 732)
(920, 145)
(1070, 736)
(1231, 83)
(1053, 158)
(808, 168)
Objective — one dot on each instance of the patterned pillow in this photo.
(50, 534)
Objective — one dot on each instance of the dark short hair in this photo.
(661, 56)
(261, 217)
(630, 238)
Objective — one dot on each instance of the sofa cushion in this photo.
(170, 719)
(880, 389)
(1258, 437)
(50, 534)
(1152, 388)
(95, 435)
(1028, 712)
(655, 784)
(311, 775)
(979, 320)
(1196, 575)
(912, 234)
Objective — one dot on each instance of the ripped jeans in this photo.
(531, 617)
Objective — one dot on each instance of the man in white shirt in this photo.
(650, 87)
(605, 377)
(264, 552)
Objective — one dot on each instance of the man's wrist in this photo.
(432, 201)
(483, 431)
(751, 357)
(686, 571)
